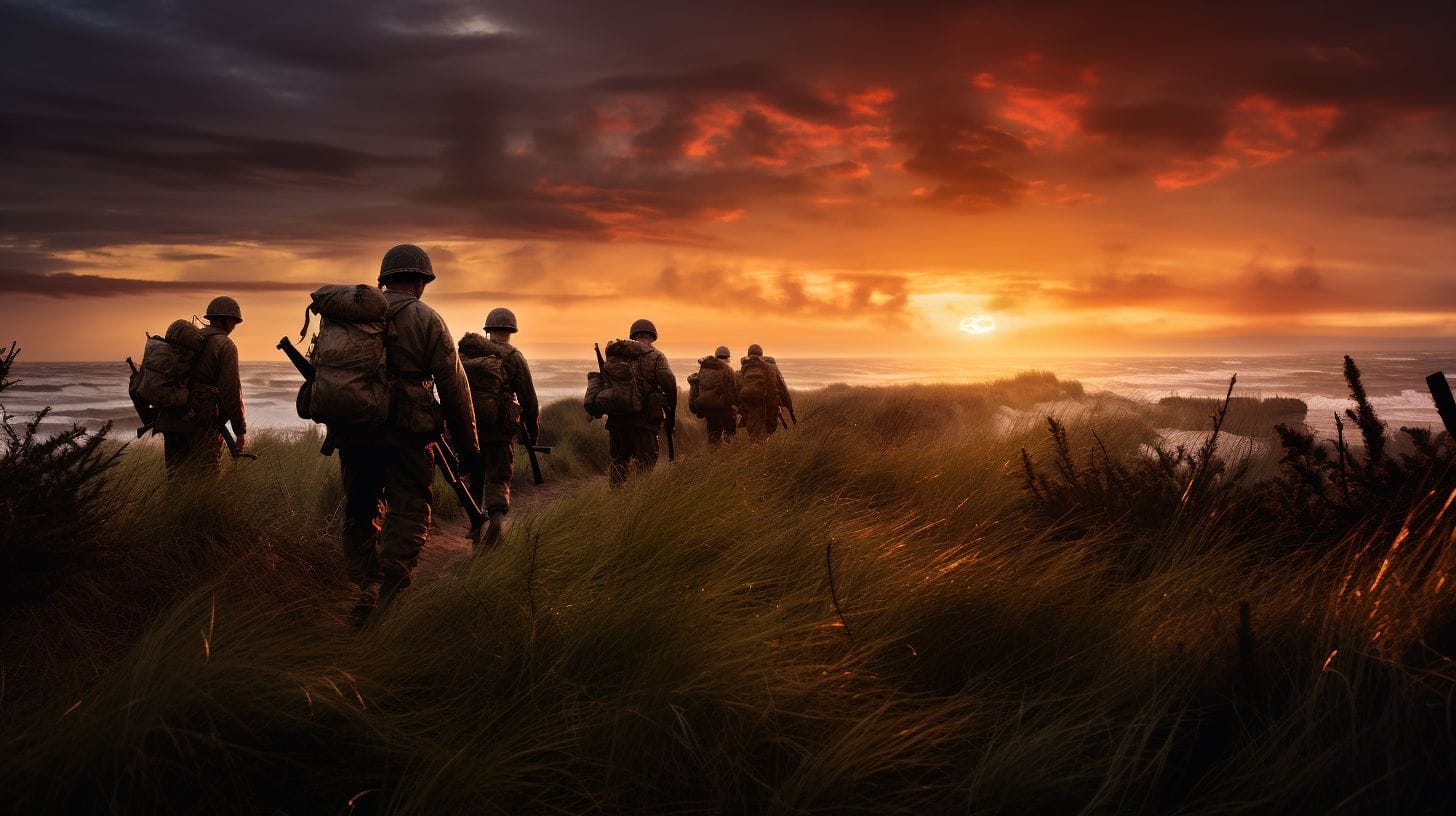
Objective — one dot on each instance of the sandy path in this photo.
(448, 546)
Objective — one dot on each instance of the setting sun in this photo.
(980, 324)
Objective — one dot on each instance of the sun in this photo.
(980, 324)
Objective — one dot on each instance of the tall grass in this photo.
(863, 615)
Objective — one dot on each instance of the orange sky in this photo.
(1140, 181)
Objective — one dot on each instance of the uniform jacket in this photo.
(419, 349)
(660, 397)
(216, 390)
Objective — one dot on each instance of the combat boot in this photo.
(493, 529)
(390, 584)
(365, 604)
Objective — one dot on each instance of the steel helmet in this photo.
(722, 353)
(225, 307)
(406, 259)
(501, 319)
(755, 350)
(640, 326)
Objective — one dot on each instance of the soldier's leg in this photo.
(498, 458)
(407, 520)
(174, 450)
(730, 424)
(207, 452)
(644, 449)
(771, 420)
(714, 424)
(363, 477)
(620, 442)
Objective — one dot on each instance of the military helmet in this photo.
(224, 307)
(501, 319)
(722, 353)
(643, 325)
(406, 259)
(755, 350)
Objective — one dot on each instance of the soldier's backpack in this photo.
(163, 379)
(714, 385)
(620, 391)
(484, 364)
(756, 382)
(352, 381)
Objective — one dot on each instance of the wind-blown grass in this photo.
(863, 615)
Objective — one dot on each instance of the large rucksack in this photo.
(619, 391)
(351, 384)
(484, 364)
(714, 386)
(164, 377)
(756, 382)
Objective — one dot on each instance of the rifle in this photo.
(449, 465)
(780, 414)
(669, 424)
(531, 451)
(445, 458)
(791, 415)
(601, 361)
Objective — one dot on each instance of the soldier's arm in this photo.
(230, 387)
(454, 389)
(667, 381)
(526, 394)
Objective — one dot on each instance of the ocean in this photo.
(94, 393)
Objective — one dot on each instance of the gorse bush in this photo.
(52, 504)
(863, 615)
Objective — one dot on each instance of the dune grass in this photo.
(866, 614)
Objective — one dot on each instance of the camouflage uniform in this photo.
(190, 435)
(721, 423)
(387, 472)
(634, 438)
(761, 418)
(491, 482)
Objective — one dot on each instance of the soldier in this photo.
(388, 471)
(191, 434)
(633, 437)
(505, 402)
(761, 392)
(713, 395)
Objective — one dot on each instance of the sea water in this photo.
(94, 393)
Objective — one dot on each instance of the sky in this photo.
(826, 179)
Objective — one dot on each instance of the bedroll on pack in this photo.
(757, 381)
(715, 385)
(484, 364)
(621, 391)
(166, 365)
(351, 385)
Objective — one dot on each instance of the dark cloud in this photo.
(1188, 128)
(322, 124)
(64, 285)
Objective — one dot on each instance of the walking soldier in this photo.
(505, 406)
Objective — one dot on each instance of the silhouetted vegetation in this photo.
(51, 499)
(865, 614)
